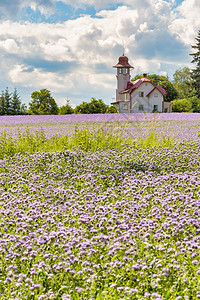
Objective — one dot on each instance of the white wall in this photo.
(147, 102)
(122, 105)
(122, 80)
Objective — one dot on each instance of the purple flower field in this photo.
(178, 125)
(112, 224)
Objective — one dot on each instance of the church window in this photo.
(141, 94)
(155, 94)
(141, 107)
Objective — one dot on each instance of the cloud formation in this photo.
(187, 22)
(76, 57)
(10, 9)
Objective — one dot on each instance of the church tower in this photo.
(123, 74)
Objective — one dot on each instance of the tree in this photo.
(181, 105)
(97, 106)
(170, 90)
(83, 108)
(66, 109)
(15, 104)
(183, 82)
(196, 60)
(195, 101)
(7, 100)
(10, 104)
(24, 110)
(93, 107)
(111, 109)
(2, 104)
(43, 103)
(164, 82)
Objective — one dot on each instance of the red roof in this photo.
(133, 85)
(124, 91)
(151, 92)
(162, 90)
(123, 63)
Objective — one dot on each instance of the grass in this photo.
(88, 140)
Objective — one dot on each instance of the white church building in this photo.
(140, 95)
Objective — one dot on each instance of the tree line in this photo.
(43, 103)
(10, 103)
(183, 91)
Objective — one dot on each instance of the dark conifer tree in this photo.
(7, 97)
(2, 104)
(196, 60)
(15, 104)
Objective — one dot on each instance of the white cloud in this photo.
(146, 66)
(35, 77)
(45, 6)
(82, 80)
(57, 50)
(10, 9)
(86, 40)
(187, 23)
(9, 46)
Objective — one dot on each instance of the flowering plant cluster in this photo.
(110, 224)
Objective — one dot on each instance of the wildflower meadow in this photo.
(100, 207)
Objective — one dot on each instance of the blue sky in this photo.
(69, 47)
